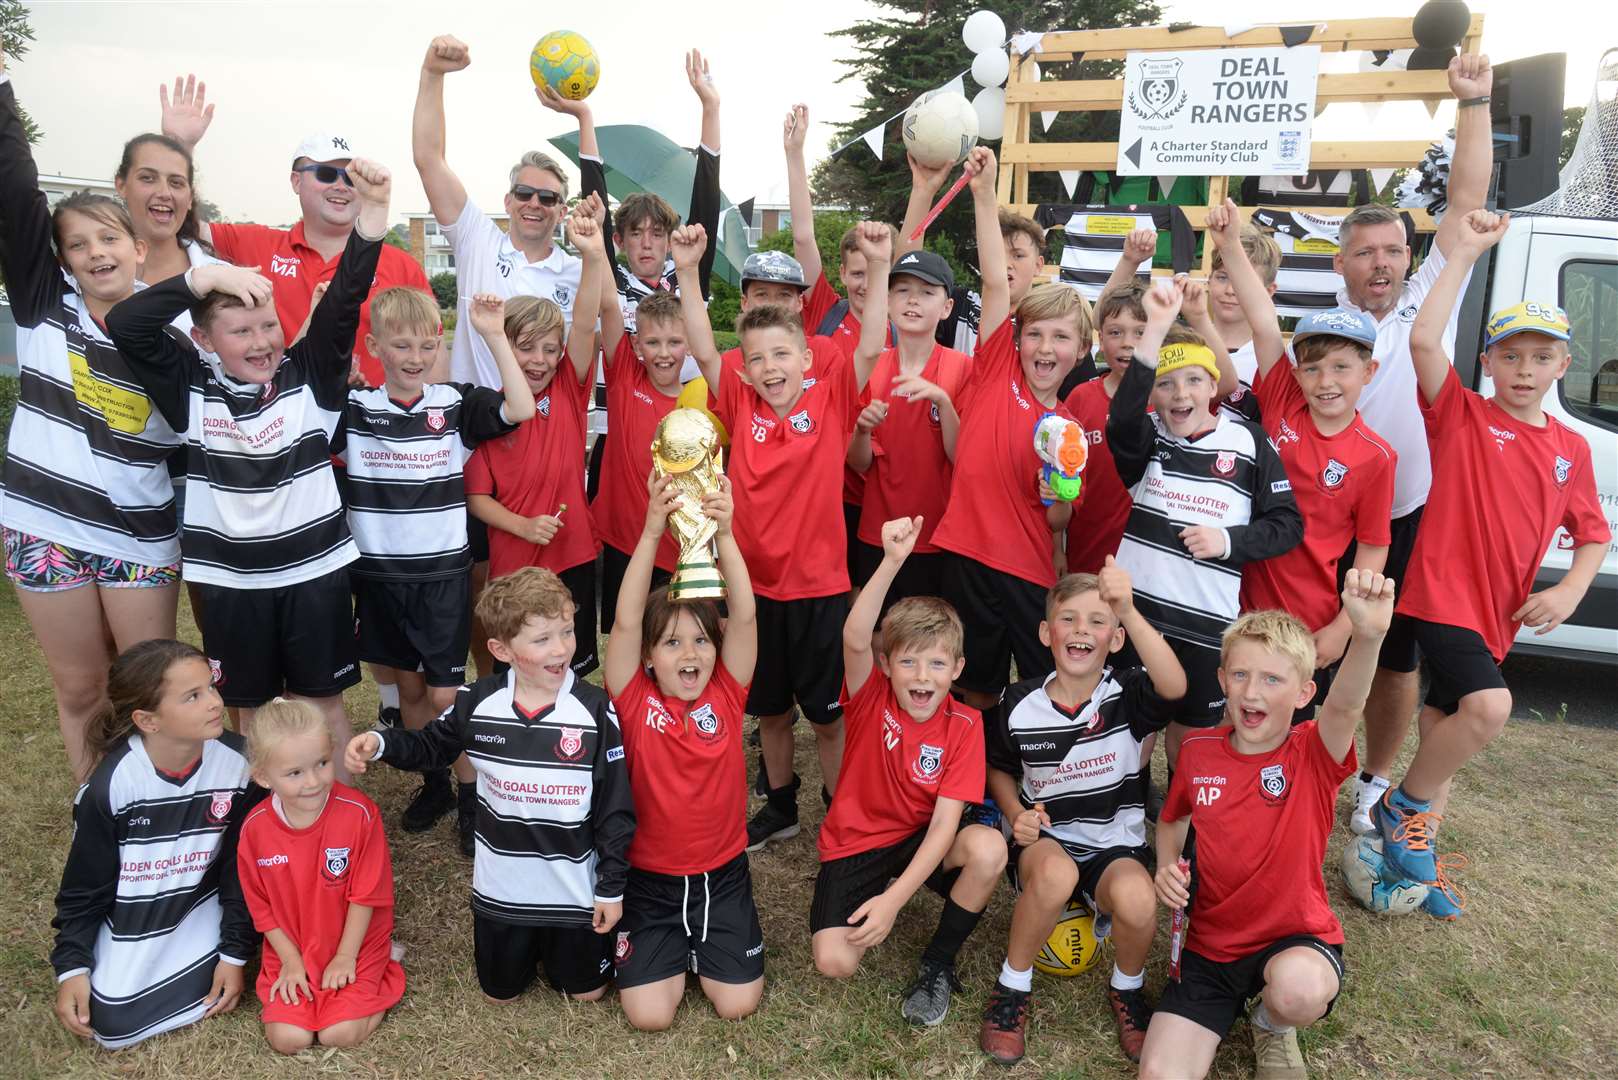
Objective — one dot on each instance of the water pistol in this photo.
(1062, 446)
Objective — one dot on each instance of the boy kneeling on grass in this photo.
(912, 760)
(1262, 795)
(1068, 758)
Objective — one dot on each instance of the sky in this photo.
(280, 70)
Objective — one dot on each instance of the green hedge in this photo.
(8, 405)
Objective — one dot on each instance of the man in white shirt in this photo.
(1373, 259)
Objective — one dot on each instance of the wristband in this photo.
(1465, 102)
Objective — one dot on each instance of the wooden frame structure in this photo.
(1019, 155)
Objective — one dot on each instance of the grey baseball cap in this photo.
(773, 266)
(929, 266)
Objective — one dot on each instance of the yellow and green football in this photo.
(567, 63)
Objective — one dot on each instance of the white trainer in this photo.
(1366, 794)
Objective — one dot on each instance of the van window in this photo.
(1589, 293)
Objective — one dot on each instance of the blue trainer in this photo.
(1444, 897)
(1408, 828)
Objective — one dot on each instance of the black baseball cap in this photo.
(930, 267)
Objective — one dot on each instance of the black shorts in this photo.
(800, 657)
(1458, 663)
(477, 538)
(844, 884)
(1001, 614)
(851, 528)
(295, 639)
(613, 565)
(702, 923)
(1212, 994)
(411, 624)
(1399, 646)
(921, 575)
(1090, 869)
(1204, 703)
(576, 959)
(581, 583)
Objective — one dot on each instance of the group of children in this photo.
(1194, 589)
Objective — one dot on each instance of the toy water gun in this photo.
(1061, 444)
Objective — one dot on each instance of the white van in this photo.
(1573, 261)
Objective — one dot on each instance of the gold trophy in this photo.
(686, 449)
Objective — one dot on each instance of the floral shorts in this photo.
(45, 566)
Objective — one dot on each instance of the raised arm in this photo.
(740, 652)
(488, 314)
(185, 119)
(876, 244)
(1139, 245)
(446, 195)
(1368, 600)
(1470, 79)
(327, 349)
(1195, 312)
(925, 183)
(1476, 233)
(995, 307)
(898, 541)
(585, 233)
(1258, 308)
(705, 193)
(611, 312)
(687, 243)
(622, 658)
(804, 245)
(33, 277)
(1156, 656)
(1129, 426)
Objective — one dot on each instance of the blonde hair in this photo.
(404, 308)
(919, 621)
(278, 720)
(1276, 631)
(1261, 250)
(536, 160)
(510, 601)
(1055, 301)
(529, 318)
(1180, 333)
(771, 317)
(662, 306)
(1067, 588)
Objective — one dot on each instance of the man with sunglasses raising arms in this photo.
(304, 257)
(525, 261)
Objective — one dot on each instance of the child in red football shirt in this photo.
(1505, 477)
(996, 525)
(1093, 535)
(1261, 795)
(316, 873)
(528, 487)
(790, 413)
(679, 679)
(913, 760)
(1341, 471)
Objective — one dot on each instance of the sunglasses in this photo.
(523, 193)
(326, 174)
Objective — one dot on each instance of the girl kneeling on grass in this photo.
(679, 681)
(151, 930)
(316, 873)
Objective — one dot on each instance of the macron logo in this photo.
(273, 860)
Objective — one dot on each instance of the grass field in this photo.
(1526, 985)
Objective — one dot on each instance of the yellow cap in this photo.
(1528, 317)
(1174, 357)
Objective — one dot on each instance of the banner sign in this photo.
(1206, 112)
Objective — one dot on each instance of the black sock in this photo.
(785, 797)
(1365, 777)
(955, 925)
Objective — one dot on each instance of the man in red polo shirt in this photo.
(299, 259)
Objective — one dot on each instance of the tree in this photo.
(15, 36)
(393, 238)
(916, 46)
(443, 284)
(1572, 122)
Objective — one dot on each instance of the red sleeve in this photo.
(726, 402)
(1373, 514)
(629, 706)
(847, 392)
(1177, 803)
(1332, 773)
(623, 355)
(1277, 392)
(822, 297)
(1584, 520)
(370, 880)
(242, 244)
(577, 389)
(258, 902)
(1448, 410)
(995, 358)
(733, 692)
(966, 776)
(858, 710)
(479, 472)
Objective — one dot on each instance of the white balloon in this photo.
(990, 68)
(983, 30)
(990, 105)
(1033, 71)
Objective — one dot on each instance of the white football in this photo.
(940, 127)
(1373, 884)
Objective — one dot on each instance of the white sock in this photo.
(1261, 1019)
(389, 693)
(1012, 979)
(1120, 981)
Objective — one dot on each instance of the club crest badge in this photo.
(1333, 474)
(801, 423)
(336, 861)
(1273, 779)
(563, 296)
(544, 406)
(217, 671)
(1225, 462)
(932, 413)
(570, 747)
(219, 805)
(1563, 467)
(435, 419)
(706, 721)
(622, 950)
(929, 760)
